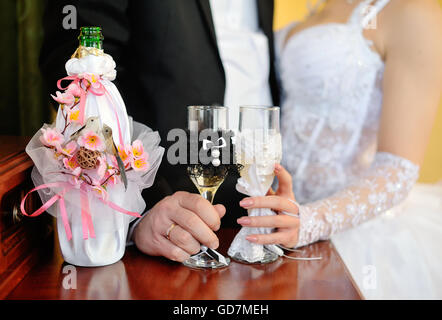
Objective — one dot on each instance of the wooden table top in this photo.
(138, 276)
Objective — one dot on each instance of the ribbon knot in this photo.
(95, 87)
(86, 219)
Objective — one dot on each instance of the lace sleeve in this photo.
(385, 184)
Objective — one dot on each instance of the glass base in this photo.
(269, 257)
(203, 261)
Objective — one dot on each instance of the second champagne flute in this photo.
(259, 149)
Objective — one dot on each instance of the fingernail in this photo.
(278, 167)
(214, 245)
(252, 238)
(246, 203)
(244, 221)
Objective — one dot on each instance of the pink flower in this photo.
(74, 179)
(69, 149)
(111, 177)
(90, 140)
(102, 167)
(99, 191)
(125, 154)
(73, 115)
(74, 89)
(137, 149)
(113, 180)
(93, 80)
(65, 98)
(51, 137)
(71, 163)
(140, 164)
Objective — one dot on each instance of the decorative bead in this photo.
(215, 153)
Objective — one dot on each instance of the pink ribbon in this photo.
(86, 219)
(99, 90)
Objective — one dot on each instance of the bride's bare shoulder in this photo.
(417, 16)
(413, 26)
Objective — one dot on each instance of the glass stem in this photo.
(209, 194)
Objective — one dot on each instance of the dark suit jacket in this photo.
(167, 58)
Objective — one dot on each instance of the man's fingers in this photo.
(184, 240)
(200, 206)
(220, 209)
(193, 224)
(285, 186)
(277, 221)
(171, 251)
(276, 203)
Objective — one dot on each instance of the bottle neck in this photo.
(90, 42)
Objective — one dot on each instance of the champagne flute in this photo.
(259, 149)
(207, 174)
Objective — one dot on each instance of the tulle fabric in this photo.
(398, 255)
(110, 226)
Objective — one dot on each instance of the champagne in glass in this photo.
(207, 177)
(259, 150)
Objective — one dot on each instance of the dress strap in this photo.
(366, 11)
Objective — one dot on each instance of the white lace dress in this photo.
(331, 81)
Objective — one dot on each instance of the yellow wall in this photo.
(290, 10)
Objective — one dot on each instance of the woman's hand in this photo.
(286, 226)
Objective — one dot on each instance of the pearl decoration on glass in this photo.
(215, 153)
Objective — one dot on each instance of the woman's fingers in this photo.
(276, 203)
(277, 221)
(285, 186)
(287, 238)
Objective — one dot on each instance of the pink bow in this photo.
(97, 89)
(86, 218)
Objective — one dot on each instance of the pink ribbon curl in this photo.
(86, 219)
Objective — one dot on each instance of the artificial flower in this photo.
(74, 89)
(93, 80)
(99, 191)
(137, 149)
(69, 149)
(73, 116)
(71, 163)
(125, 154)
(51, 137)
(111, 177)
(113, 180)
(75, 178)
(140, 164)
(65, 98)
(102, 167)
(90, 140)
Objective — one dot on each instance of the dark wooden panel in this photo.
(20, 238)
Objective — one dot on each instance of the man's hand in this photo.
(194, 218)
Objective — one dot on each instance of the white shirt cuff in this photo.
(129, 240)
